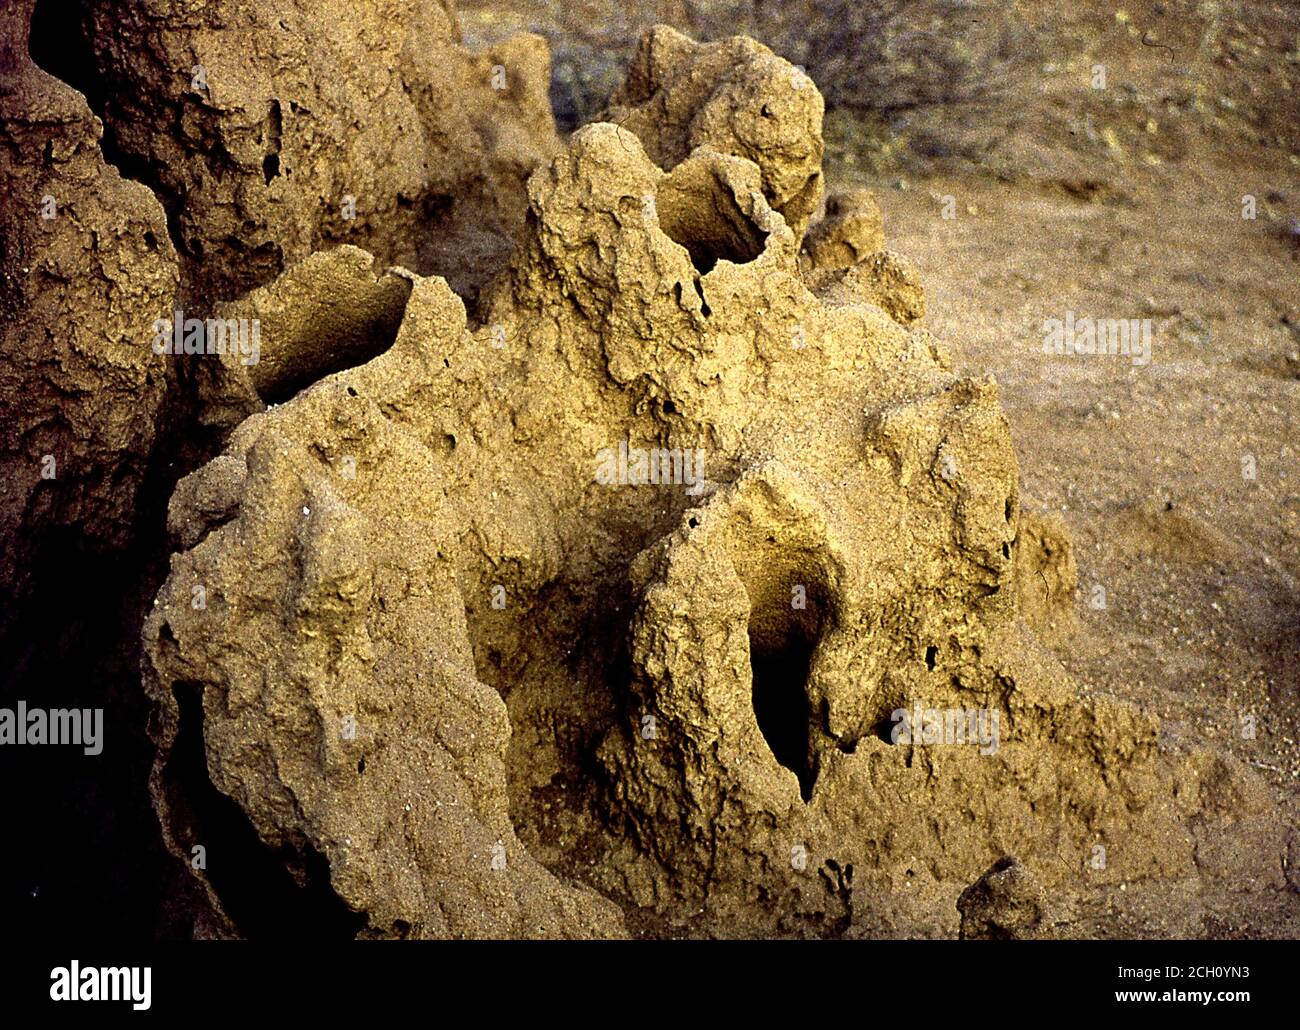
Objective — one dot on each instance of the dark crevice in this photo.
(883, 730)
(704, 304)
(274, 132)
(782, 641)
(85, 849)
(259, 893)
(781, 705)
(60, 44)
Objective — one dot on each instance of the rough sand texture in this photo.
(700, 673)
(257, 120)
(85, 268)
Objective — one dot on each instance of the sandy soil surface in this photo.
(1179, 479)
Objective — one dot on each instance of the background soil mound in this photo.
(271, 129)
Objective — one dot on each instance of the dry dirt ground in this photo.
(1179, 479)
(1127, 195)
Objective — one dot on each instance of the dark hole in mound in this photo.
(59, 45)
(782, 641)
(781, 705)
(701, 214)
(709, 247)
(432, 207)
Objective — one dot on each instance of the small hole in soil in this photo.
(782, 641)
(705, 218)
(781, 704)
(931, 653)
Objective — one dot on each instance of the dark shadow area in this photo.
(84, 854)
(256, 889)
(780, 680)
(782, 641)
(60, 45)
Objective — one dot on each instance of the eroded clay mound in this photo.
(638, 573)
(340, 709)
(734, 96)
(85, 268)
(271, 128)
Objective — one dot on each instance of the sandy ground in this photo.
(1179, 479)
